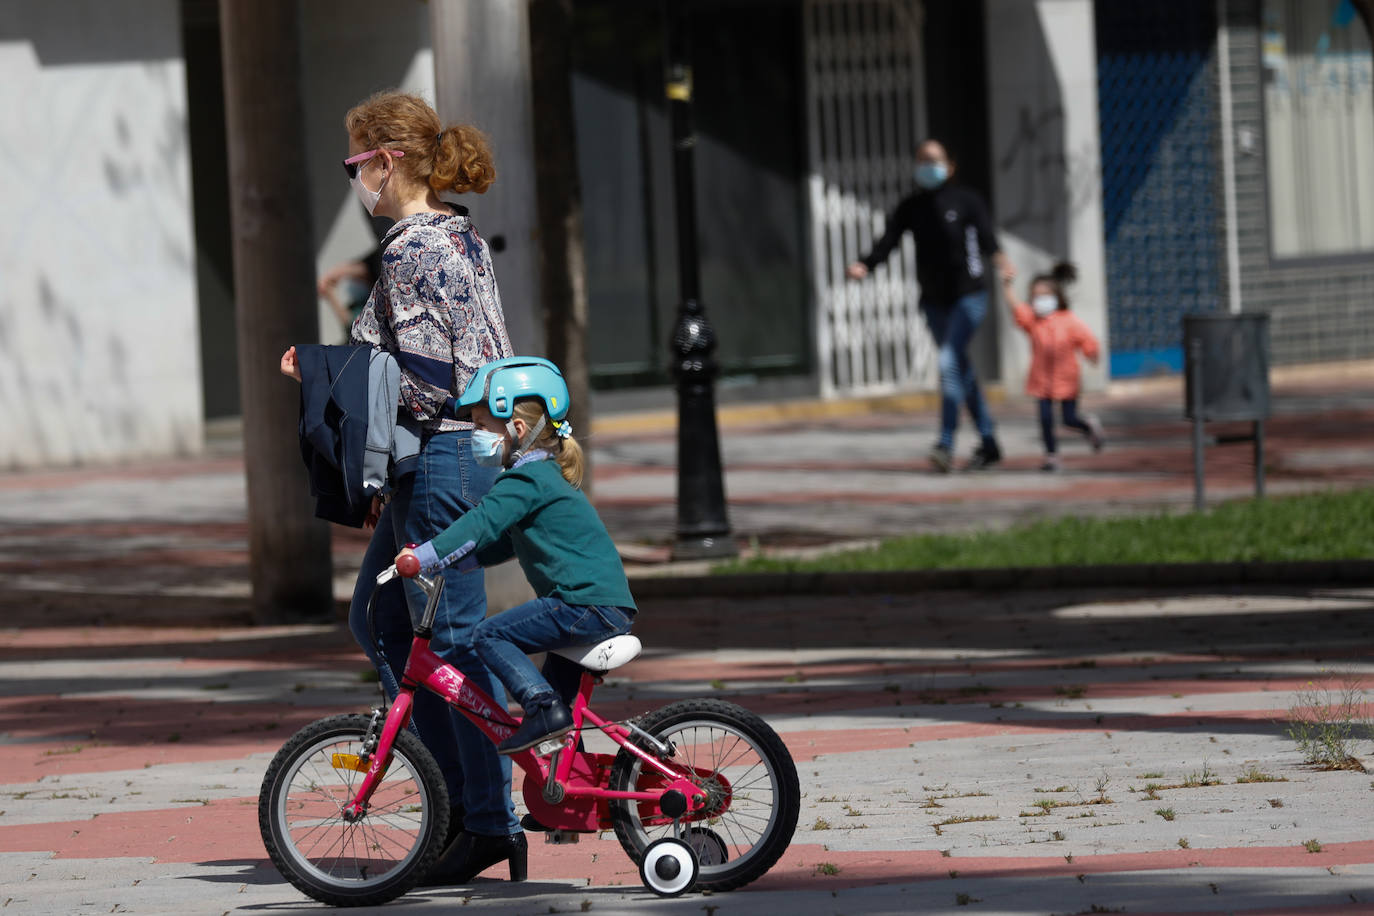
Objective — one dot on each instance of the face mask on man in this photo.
(1044, 305)
(488, 448)
(930, 175)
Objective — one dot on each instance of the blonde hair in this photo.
(565, 450)
(456, 158)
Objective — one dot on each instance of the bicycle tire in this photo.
(300, 815)
(757, 769)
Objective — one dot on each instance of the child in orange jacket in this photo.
(1056, 336)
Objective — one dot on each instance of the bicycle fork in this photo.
(377, 752)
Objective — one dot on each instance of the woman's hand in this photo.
(374, 514)
(856, 271)
(290, 366)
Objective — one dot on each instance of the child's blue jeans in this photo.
(1071, 420)
(536, 626)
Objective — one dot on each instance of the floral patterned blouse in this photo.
(435, 307)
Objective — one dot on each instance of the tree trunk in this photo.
(275, 301)
(563, 269)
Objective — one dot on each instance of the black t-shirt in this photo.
(954, 240)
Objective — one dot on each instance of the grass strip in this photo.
(1332, 525)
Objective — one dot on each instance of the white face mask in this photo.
(1044, 305)
(369, 198)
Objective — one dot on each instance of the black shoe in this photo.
(537, 727)
(984, 456)
(531, 825)
(472, 853)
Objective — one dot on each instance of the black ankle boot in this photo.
(472, 853)
(455, 825)
(538, 726)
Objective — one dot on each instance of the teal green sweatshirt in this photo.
(546, 523)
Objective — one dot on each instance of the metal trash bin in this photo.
(1226, 378)
(1231, 362)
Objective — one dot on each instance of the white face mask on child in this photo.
(1044, 305)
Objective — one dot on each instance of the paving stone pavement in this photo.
(1048, 753)
(1051, 751)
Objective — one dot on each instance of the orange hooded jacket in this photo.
(1054, 339)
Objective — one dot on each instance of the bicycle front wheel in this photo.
(750, 782)
(373, 859)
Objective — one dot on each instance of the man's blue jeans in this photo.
(446, 483)
(536, 626)
(952, 325)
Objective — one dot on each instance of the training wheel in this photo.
(669, 867)
(707, 844)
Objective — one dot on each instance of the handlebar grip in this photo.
(408, 565)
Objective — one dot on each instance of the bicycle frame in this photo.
(577, 776)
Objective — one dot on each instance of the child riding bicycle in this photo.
(537, 513)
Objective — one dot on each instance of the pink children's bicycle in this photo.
(701, 793)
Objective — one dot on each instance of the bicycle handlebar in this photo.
(408, 566)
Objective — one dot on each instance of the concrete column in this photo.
(1046, 160)
(98, 324)
(482, 77)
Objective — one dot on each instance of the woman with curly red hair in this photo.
(436, 309)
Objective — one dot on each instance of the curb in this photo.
(1150, 575)
(772, 413)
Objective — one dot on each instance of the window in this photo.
(1319, 128)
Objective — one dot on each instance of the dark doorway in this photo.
(750, 170)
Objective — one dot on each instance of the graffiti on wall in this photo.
(1041, 181)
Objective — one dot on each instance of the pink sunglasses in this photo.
(352, 162)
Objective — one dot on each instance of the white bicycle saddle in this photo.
(605, 655)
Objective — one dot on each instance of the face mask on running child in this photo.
(488, 448)
(1044, 305)
(930, 175)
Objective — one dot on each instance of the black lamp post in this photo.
(703, 528)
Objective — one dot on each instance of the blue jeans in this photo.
(1071, 420)
(952, 325)
(536, 626)
(446, 483)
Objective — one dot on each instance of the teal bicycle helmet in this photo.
(498, 385)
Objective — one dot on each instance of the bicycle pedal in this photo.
(560, 837)
(552, 746)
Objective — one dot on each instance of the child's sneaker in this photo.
(1095, 438)
(941, 458)
(1051, 463)
(984, 456)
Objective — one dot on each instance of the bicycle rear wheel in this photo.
(753, 797)
(369, 861)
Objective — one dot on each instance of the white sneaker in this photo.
(1095, 437)
(1051, 463)
(941, 458)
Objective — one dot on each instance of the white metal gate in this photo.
(865, 98)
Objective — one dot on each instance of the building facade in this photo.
(1188, 157)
